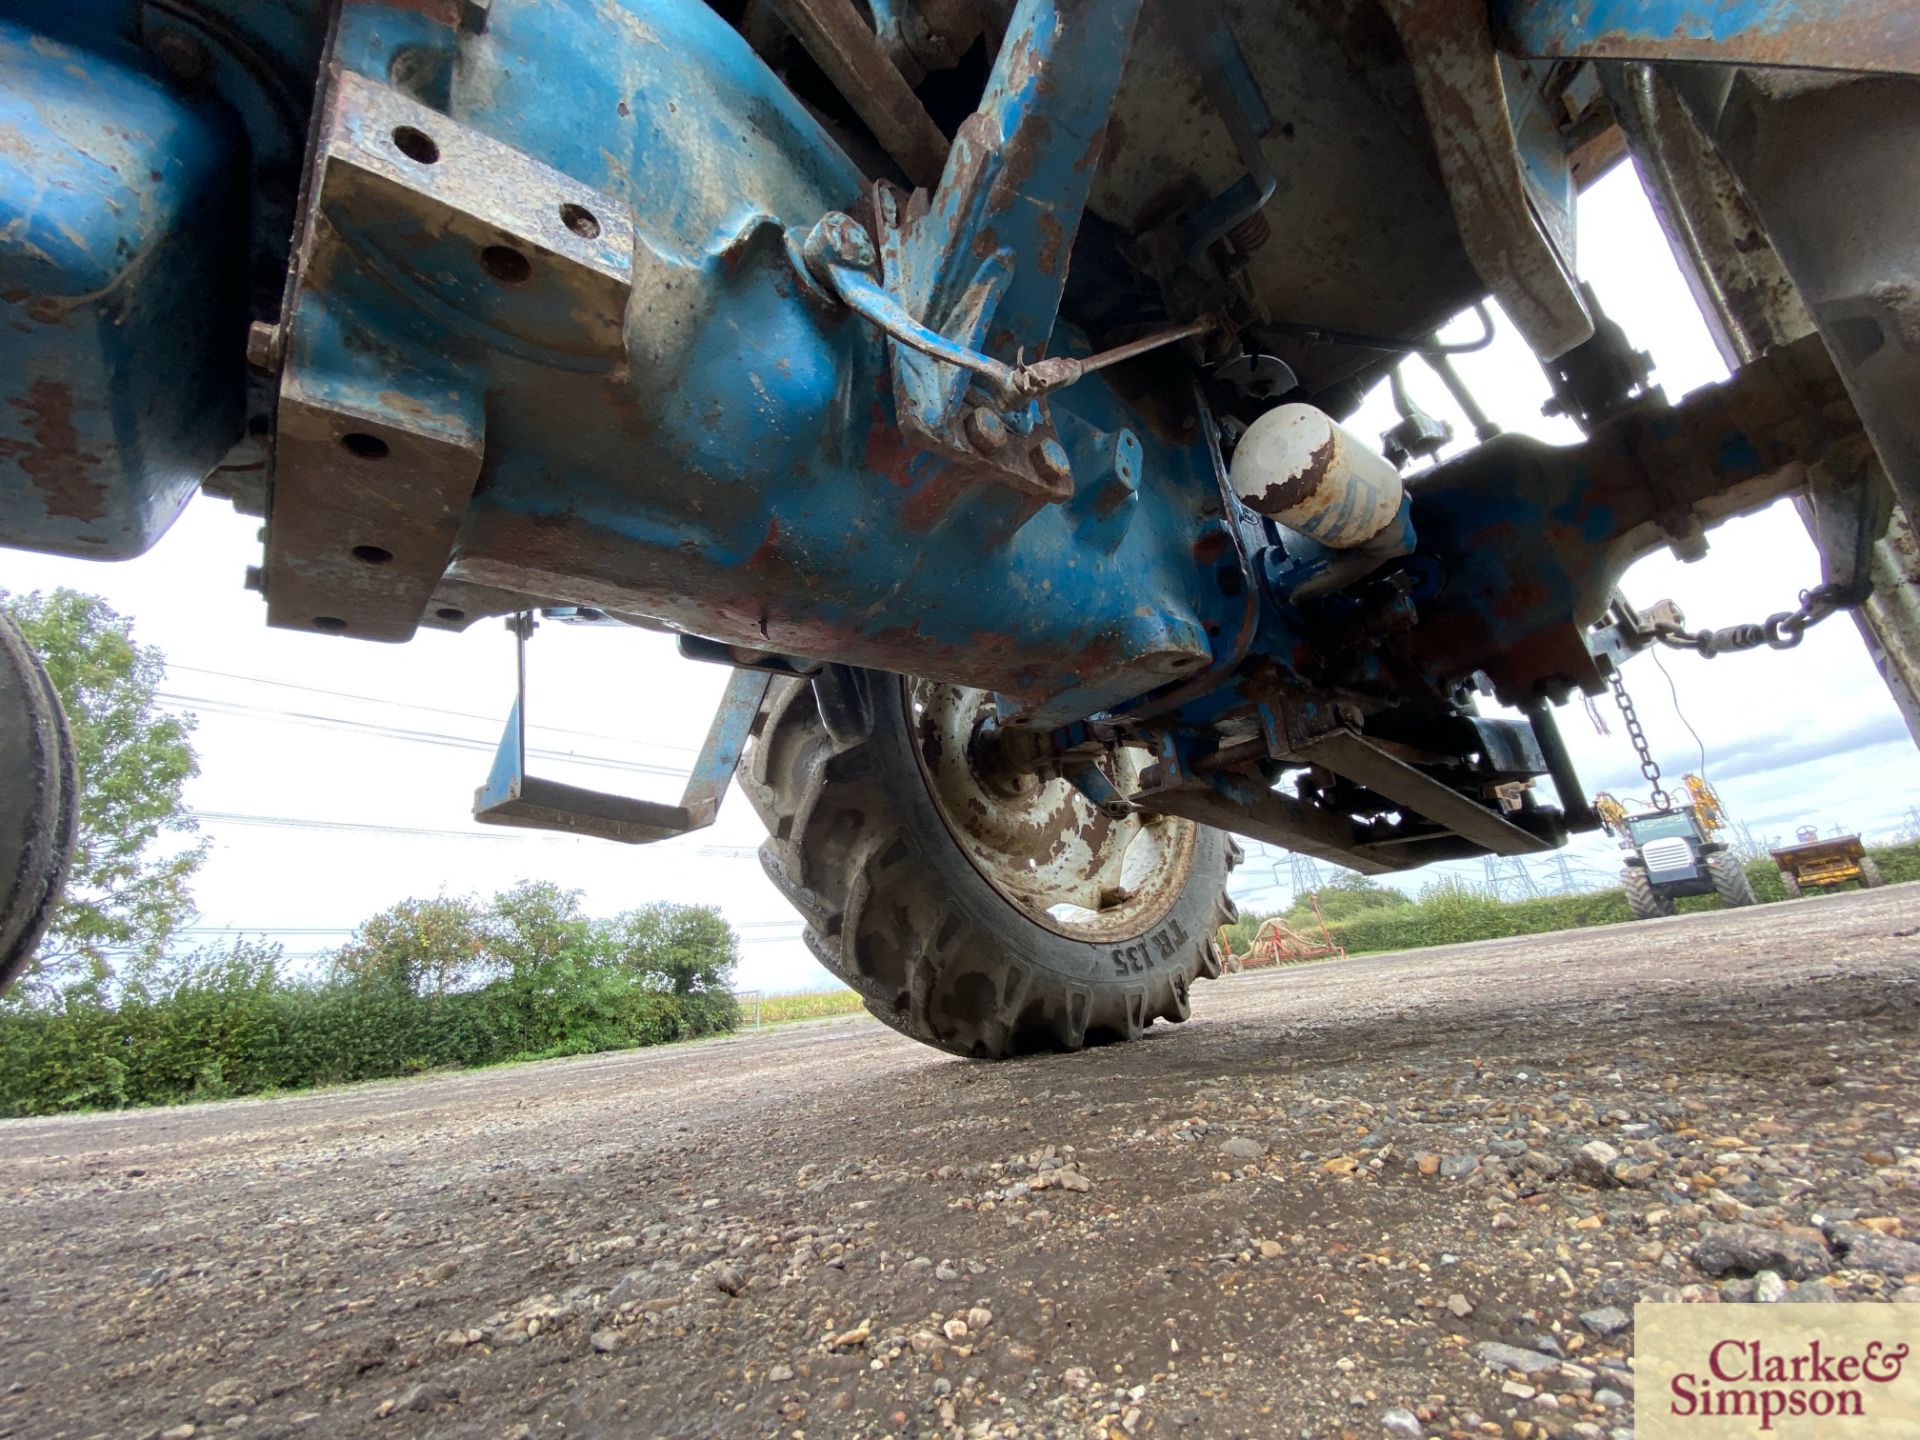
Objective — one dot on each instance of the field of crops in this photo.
(806, 1005)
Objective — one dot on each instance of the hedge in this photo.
(246, 1033)
(1447, 916)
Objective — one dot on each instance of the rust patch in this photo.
(931, 744)
(1052, 237)
(764, 552)
(887, 451)
(52, 459)
(985, 242)
(1017, 163)
(1297, 489)
(1211, 546)
(1096, 146)
(937, 495)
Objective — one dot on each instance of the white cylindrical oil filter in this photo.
(1305, 470)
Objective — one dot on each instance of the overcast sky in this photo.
(337, 776)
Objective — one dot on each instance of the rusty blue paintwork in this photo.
(116, 233)
(748, 481)
(1865, 35)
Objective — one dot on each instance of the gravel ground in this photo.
(1402, 1196)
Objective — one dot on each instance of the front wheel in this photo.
(1790, 882)
(984, 911)
(1870, 878)
(1646, 902)
(1730, 881)
(39, 795)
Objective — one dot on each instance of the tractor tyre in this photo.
(1870, 877)
(1646, 902)
(1790, 882)
(1730, 881)
(983, 911)
(39, 800)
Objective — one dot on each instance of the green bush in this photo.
(543, 980)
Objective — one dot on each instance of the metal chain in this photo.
(1780, 632)
(1649, 767)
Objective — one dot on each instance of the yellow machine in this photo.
(1816, 864)
(1673, 851)
(1706, 804)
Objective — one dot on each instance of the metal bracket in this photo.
(1352, 756)
(1083, 772)
(513, 797)
(1229, 84)
(971, 273)
(1851, 504)
(1863, 35)
(378, 445)
(1464, 93)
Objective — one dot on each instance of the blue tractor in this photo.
(968, 376)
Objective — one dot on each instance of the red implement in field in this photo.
(1278, 943)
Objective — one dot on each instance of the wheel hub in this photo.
(1038, 841)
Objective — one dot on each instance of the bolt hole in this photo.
(581, 221)
(332, 624)
(367, 447)
(506, 264)
(372, 555)
(416, 145)
(450, 612)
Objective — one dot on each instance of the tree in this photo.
(422, 947)
(127, 893)
(536, 929)
(679, 949)
(1347, 896)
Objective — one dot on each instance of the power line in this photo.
(424, 709)
(272, 932)
(289, 822)
(264, 930)
(394, 732)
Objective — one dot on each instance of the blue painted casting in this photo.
(119, 232)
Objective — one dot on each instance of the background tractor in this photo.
(1812, 863)
(1672, 851)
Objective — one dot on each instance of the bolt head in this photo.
(986, 430)
(847, 241)
(1052, 460)
(263, 347)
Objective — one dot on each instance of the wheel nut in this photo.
(1052, 460)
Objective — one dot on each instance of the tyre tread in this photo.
(1646, 902)
(841, 850)
(1730, 881)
